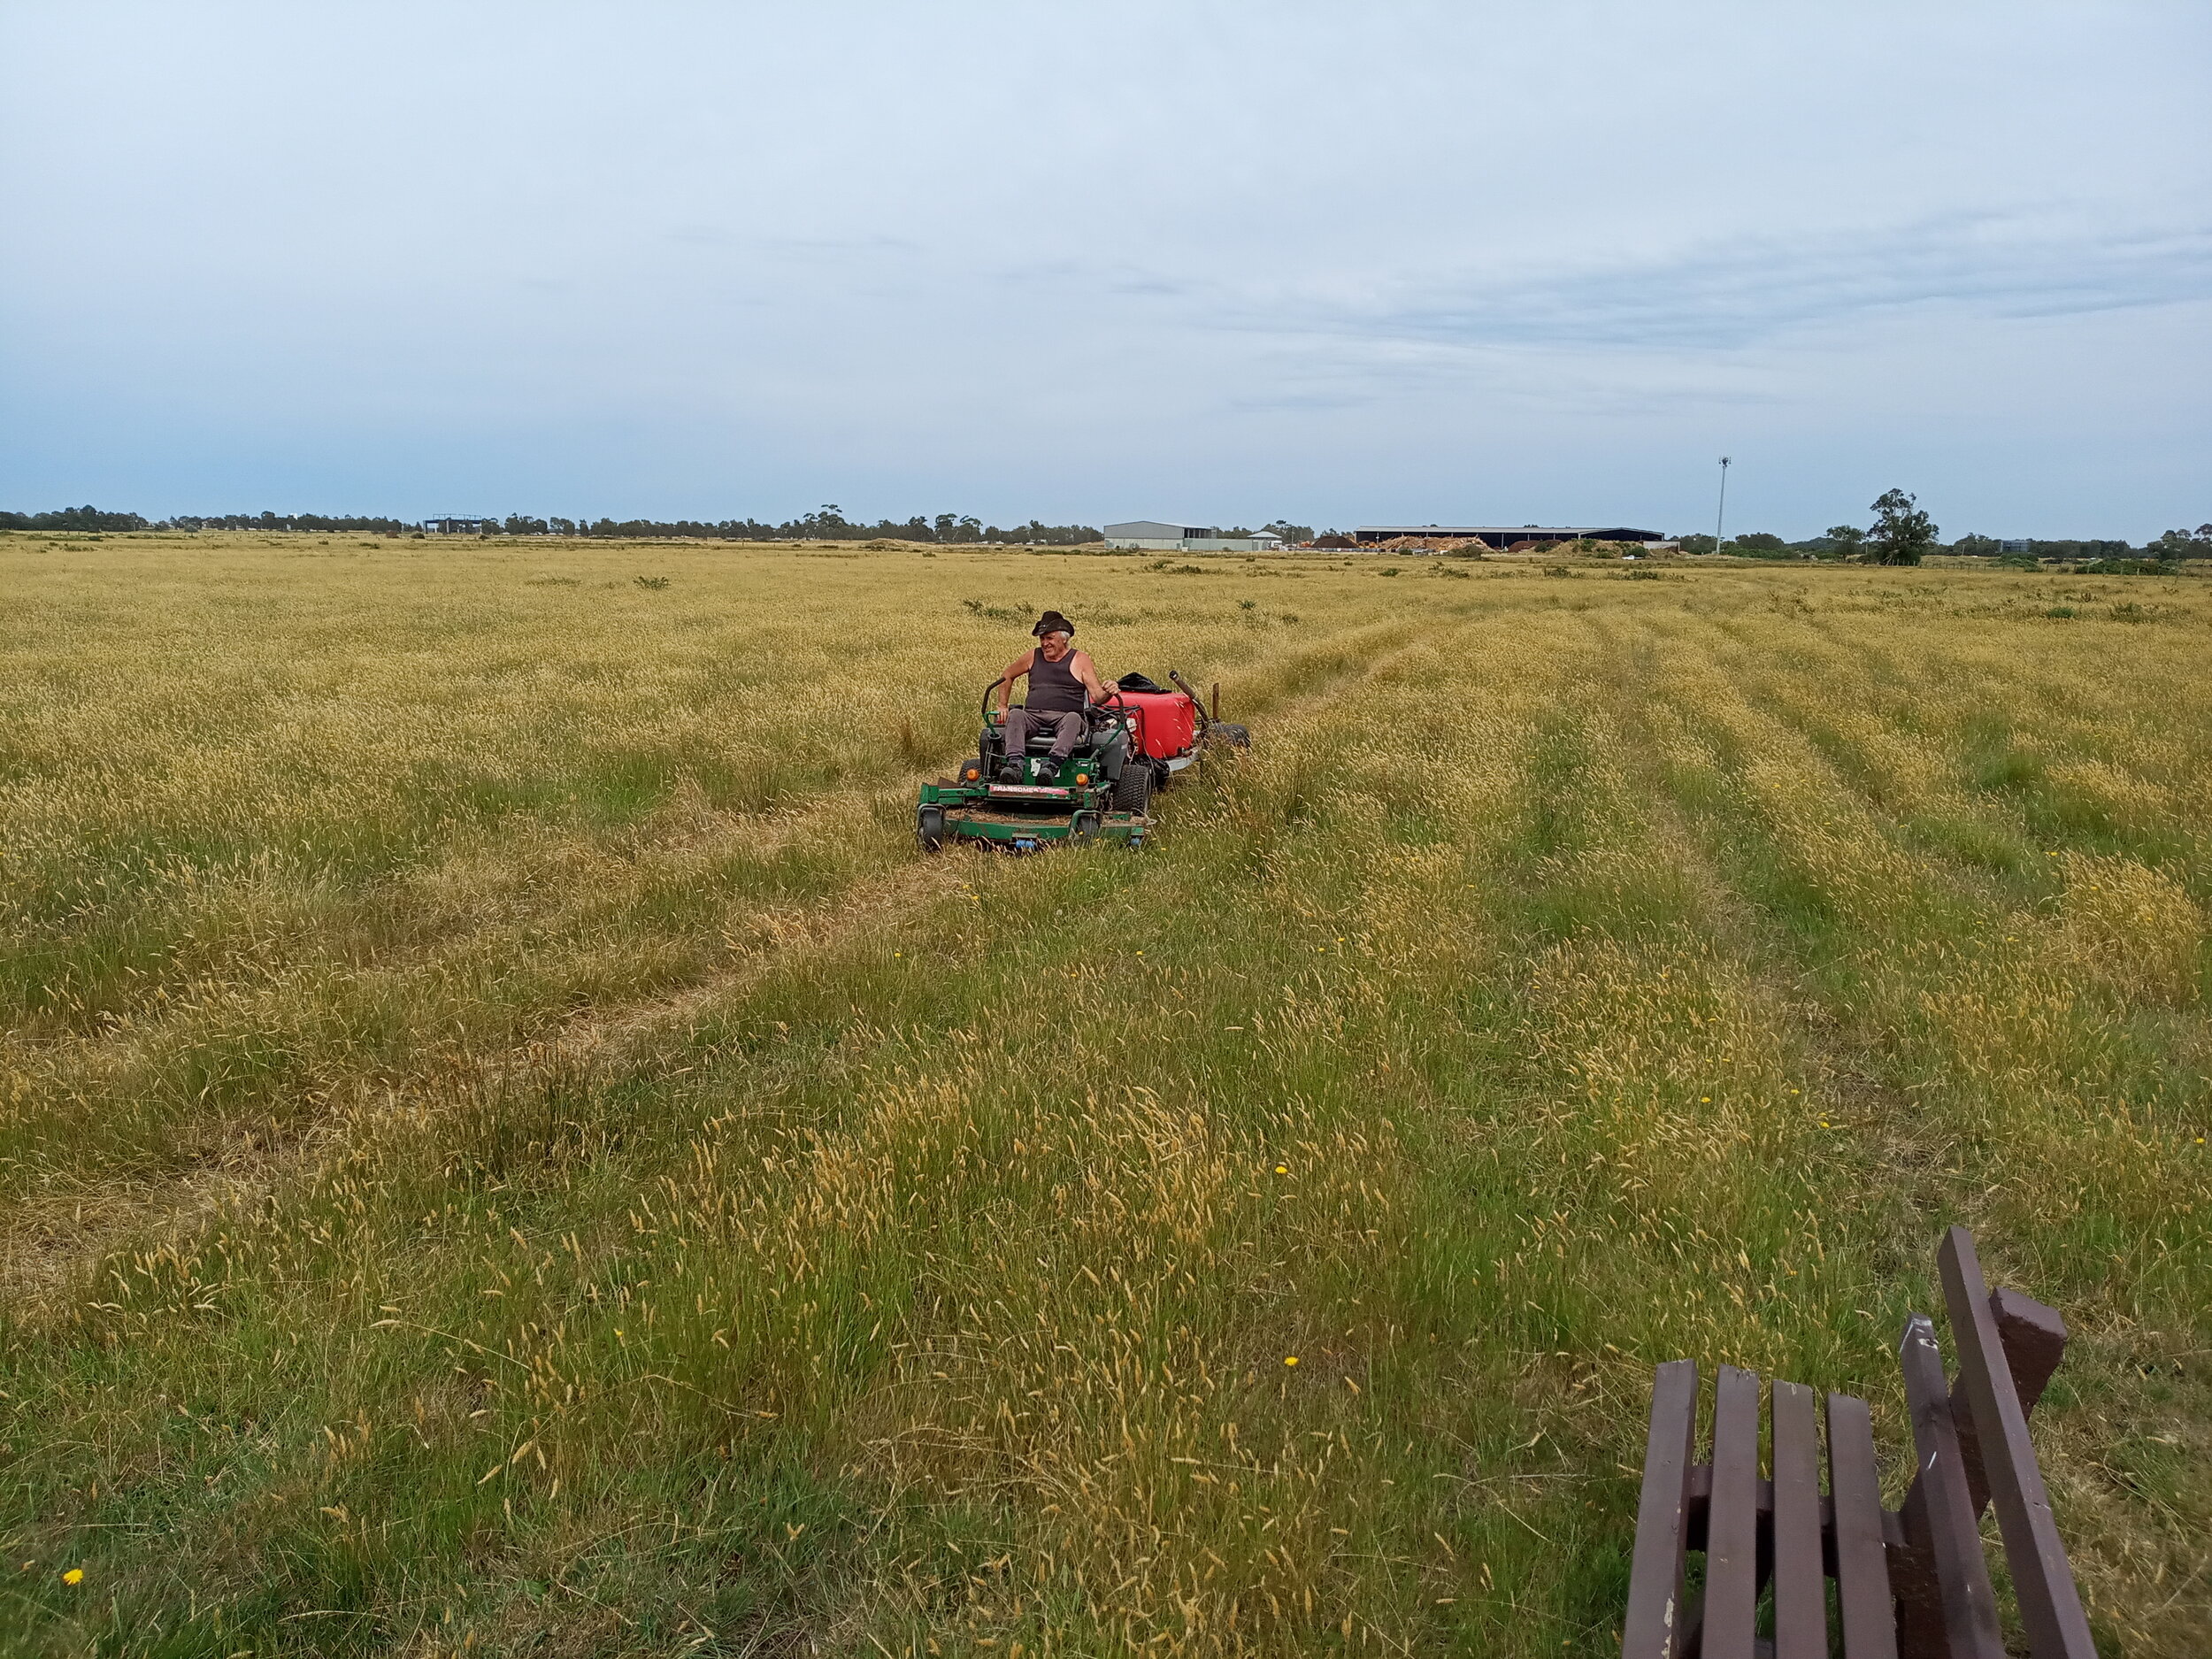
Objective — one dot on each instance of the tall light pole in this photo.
(1721, 512)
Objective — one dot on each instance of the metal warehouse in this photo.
(1501, 535)
(1163, 536)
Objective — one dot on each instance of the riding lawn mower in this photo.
(1134, 743)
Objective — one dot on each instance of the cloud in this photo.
(1396, 261)
(1744, 292)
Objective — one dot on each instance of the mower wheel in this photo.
(1084, 825)
(1133, 790)
(929, 827)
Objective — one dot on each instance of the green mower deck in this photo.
(953, 811)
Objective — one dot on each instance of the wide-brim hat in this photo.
(1052, 622)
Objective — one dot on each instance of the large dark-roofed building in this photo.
(1502, 535)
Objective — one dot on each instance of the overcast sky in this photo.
(1376, 262)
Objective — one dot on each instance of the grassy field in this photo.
(505, 1147)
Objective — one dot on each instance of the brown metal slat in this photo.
(1731, 1526)
(1701, 1493)
(2042, 1579)
(1800, 1585)
(1655, 1620)
(1869, 1621)
(1953, 1541)
(2035, 1340)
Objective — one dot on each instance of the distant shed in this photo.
(1498, 535)
(1161, 535)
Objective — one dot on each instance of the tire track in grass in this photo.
(51, 1239)
(1696, 925)
(1882, 1204)
(1893, 1180)
(2026, 1128)
(1301, 848)
(226, 1023)
(639, 1046)
(1626, 1168)
(904, 885)
(1946, 764)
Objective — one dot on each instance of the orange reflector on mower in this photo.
(973, 774)
(1082, 777)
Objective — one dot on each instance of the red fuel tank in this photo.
(1167, 722)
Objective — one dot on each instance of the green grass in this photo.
(569, 1177)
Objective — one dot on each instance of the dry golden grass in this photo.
(507, 1146)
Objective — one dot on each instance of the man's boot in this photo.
(1009, 770)
(1047, 770)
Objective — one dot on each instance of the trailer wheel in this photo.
(1228, 732)
(929, 828)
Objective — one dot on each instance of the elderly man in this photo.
(1059, 677)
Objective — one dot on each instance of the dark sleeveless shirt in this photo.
(1053, 686)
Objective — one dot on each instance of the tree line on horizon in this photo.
(827, 523)
(1901, 534)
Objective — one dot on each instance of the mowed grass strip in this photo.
(1539, 1000)
(2026, 985)
(291, 867)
